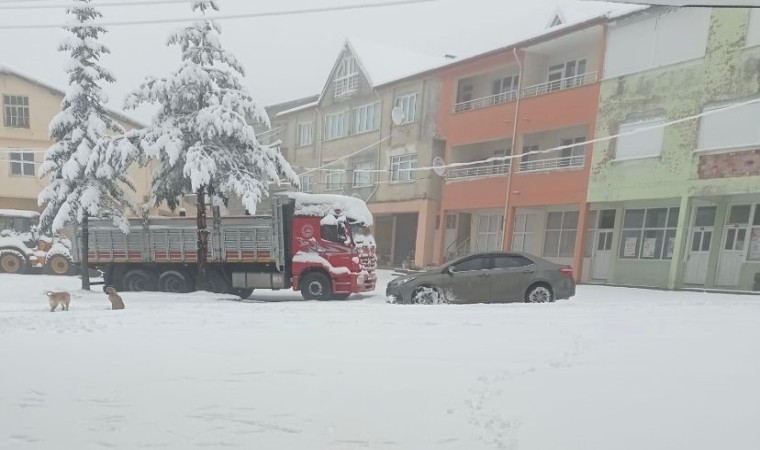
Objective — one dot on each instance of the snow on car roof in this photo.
(320, 205)
(19, 213)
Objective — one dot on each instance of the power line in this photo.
(293, 12)
(549, 150)
(95, 5)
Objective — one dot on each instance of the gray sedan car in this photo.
(494, 277)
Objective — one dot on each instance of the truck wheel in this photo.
(59, 265)
(12, 261)
(217, 282)
(243, 293)
(316, 286)
(173, 281)
(137, 280)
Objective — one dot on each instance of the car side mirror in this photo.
(448, 271)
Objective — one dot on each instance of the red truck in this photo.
(319, 244)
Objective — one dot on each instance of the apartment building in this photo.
(521, 103)
(28, 106)
(364, 135)
(678, 204)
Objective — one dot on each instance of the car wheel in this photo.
(12, 262)
(427, 296)
(316, 286)
(138, 280)
(173, 281)
(539, 293)
(243, 293)
(59, 265)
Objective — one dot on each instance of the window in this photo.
(367, 118)
(305, 134)
(346, 77)
(649, 233)
(335, 179)
(363, 175)
(451, 221)
(561, 228)
(564, 75)
(334, 233)
(572, 156)
(464, 92)
(307, 183)
(526, 161)
(638, 45)
(643, 144)
(510, 262)
(754, 239)
(505, 84)
(524, 235)
(402, 166)
(22, 164)
(490, 231)
(729, 129)
(408, 104)
(478, 263)
(336, 125)
(753, 33)
(16, 111)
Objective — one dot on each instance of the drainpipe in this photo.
(506, 238)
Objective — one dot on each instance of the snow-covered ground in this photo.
(612, 368)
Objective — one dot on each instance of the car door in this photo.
(469, 281)
(511, 275)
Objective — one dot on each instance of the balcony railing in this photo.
(558, 85)
(485, 102)
(541, 165)
(347, 85)
(482, 170)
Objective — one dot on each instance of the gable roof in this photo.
(382, 64)
(569, 12)
(7, 70)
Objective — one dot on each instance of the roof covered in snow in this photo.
(321, 205)
(693, 3)
(7, 70)
(569, 12)
(383, 64)
(19, 213)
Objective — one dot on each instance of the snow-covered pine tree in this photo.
(87, 168)
(201, 136)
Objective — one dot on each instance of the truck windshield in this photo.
(17, 224)
(362, 235)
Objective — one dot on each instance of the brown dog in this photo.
(115, 298)
(58, 298)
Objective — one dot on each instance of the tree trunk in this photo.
(85, 256)
(202, 281)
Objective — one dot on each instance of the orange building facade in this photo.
(525, 106)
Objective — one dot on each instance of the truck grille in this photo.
(368, 263)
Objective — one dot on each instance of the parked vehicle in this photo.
(494, 277)
(24, 250)
(319, 244)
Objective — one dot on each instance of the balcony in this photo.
(543, 165)
(485, 102)
(347, 85)
(560, 84)
(481, 170)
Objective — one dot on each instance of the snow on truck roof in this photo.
(19, 213)
(321, 205)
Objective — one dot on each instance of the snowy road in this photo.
(611, 369)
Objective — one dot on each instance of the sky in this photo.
(285, 57)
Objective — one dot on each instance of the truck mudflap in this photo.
(354, 283)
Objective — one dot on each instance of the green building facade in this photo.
(674, 189)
